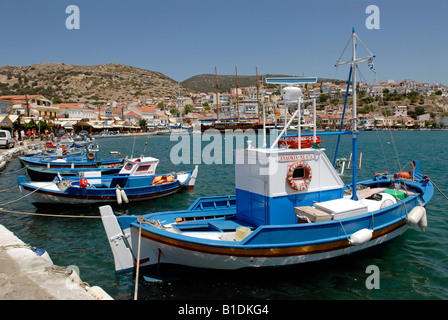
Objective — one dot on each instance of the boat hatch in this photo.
(215, 225)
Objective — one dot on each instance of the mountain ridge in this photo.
(63, 82)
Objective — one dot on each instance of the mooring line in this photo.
(49, 215)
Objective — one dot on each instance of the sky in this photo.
(183, 38)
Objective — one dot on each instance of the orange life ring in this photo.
(63, 146)
(301, 183)
(90, 156)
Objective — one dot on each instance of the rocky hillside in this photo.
(70, 83)
(206, 82)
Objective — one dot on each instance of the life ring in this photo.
(63, 146)
(299, 183)
(90, 156)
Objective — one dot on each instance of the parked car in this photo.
(6, 140)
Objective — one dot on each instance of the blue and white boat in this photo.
(38, 173)
(136, 181)
(290, 208)
(84, 160)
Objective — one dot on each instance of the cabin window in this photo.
(128, 166)
(143, 168)
(299, 173)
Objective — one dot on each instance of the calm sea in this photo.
(414, 266)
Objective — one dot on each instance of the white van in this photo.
(6, 140)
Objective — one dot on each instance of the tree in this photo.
(334, 101)
(323, 97)
(419, 110)
(142, 123)
(188, 108)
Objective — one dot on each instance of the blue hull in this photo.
(282, 245)
(104, 191)
(44, 174)
(75, 162)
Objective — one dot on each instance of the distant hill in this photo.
(62, 82)
(206, 82)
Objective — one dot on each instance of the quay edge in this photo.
(24, 275)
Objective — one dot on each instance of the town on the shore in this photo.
(383, 105)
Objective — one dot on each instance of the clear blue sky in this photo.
(182, 38)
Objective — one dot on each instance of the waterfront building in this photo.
(33, 105)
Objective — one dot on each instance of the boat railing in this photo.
(213, 203)
(297, 115)
(292, 96)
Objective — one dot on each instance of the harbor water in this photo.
(414, 266)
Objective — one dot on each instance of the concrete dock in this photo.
(27, 274)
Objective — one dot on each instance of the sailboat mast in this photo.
(217, 96)
(178, 103)
(258, 96)
(237, 103)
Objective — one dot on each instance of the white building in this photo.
(401, 111)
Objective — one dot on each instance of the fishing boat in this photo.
(290, 208)
(84, 160)
(136, 181)
(37, 173)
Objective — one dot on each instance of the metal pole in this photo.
(237, 104)
(355, 147)
(217, 96)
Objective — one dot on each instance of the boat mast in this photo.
(354, 63)
(177, 103)
(354, 141)
(237, 105)
(217, 96)
(258, 96)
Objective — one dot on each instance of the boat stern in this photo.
(191, 182)
(122, 254)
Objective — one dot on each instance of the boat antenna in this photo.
(144, 150)
(237, 104)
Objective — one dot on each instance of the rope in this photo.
(382, 149)
(439, 189)
(8, 189)
(10, 172)
(395, 148)
(344, 230)
(49, 215)
(140, 220)
(46, 185)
